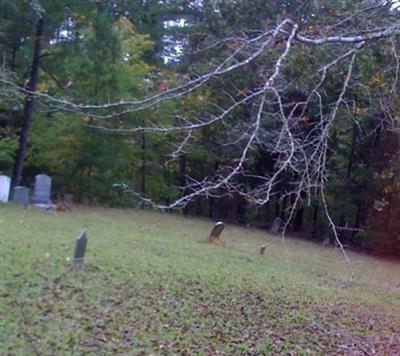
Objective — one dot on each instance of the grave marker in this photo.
(326, 241)
(20, 195)
(42, 190)
(5, 183)
(216, 232)
(276, 225)
(80, 249)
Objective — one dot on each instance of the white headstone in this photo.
(42, 189)
(5, 183)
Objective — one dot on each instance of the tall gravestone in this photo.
(5, 183)
(20, 195)
(42, 190)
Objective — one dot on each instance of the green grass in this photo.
(151, 285)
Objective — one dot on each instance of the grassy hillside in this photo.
(152, 285)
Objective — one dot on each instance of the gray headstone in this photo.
(20, 195)
(216, 231)
(276, 225)
(80, 249)
(42, 190)
(4, 188)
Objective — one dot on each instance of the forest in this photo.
(240, 111)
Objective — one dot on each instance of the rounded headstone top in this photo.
(42, 177)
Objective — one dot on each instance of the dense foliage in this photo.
(119, 50)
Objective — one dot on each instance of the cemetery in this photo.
(199, 177)
(111, 281)
(140, 282)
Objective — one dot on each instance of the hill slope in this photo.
(152, 286)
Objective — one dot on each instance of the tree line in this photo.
(231, 110)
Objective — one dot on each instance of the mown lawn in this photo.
(151, 285)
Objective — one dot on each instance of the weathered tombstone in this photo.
(216, 232)
(42, 190)
(262, 249)
(20, 195)
(4, 188)
(80, 249)
(276, 225)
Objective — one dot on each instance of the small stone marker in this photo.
(326, 241)
(276, 225)
(216, 232)
(262, 249)
(42, 190)
(5, 183)
(80, 249)
(20, 195)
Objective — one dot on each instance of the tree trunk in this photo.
(389, 207)
(298, 220)
(277, 205)
(283, 210)
(29, 101)
(242, 209)
(356, 222)
(352, 152)
(143, 165)
(342, 228)
(343, 219)
(214, 208)
(13, 61)
(232, 213)
(183, 180)
(314, 231)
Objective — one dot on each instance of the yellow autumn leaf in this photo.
(42, 87)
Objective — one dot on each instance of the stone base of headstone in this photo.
(41, 202)
(78, 263)
(48, 206)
